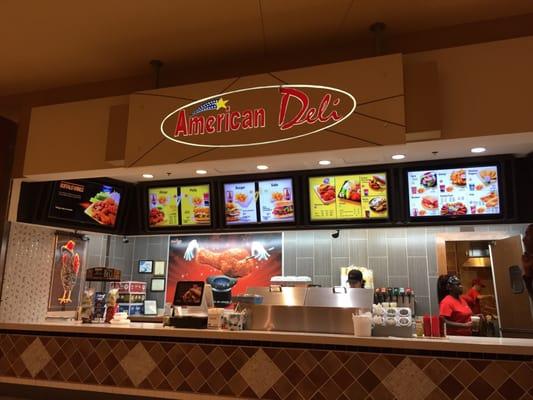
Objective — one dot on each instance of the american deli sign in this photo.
(258, 115)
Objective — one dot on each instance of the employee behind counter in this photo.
(355, 279)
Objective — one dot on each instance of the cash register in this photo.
(192, 299)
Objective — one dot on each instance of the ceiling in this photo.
(51, 44)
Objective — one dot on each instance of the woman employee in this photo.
(355, 279)
(454, 309)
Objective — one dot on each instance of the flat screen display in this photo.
(189, 293)
(454, 192)
(348, 197)
(265, 201)
(85, 202)
(179, 206)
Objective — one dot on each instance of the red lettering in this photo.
(220, 118)
(235, 125)
(209, 124)
(181, 124)
(324, 103)
(286, 95)
(259, 118)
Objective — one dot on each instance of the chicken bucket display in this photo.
(250, 259)
(65, 281)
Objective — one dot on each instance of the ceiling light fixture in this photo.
(201, 171)
(148, 176)
(324, 162)
(398, 156)
(478, 149)
(262, 167)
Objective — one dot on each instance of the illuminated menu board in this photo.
(195, 205)
(361, 196)
(175, 206)
(454, 192)
(268, 201)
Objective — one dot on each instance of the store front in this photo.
(93, 222)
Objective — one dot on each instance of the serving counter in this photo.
(150, 360)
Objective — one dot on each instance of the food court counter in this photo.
(159, 362)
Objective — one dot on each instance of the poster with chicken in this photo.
(247, 260)
(69, 258)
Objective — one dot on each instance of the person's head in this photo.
(477, 284)
(449, 284)
(355, 279)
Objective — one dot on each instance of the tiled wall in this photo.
(401, 257)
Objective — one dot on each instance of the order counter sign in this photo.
(362, 196)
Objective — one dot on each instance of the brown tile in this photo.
(356, 366)
(176, 353)
(248, 393)
(330, 390)
(481, 389)
(271, 395)
(185, 387)
(18, 366)
(228, 349)
(381, 367)
(318, 376)
(238, 358)
(342, 397)
(66, 370)
(524, 376)
(206, 368)
(495, 396)
(437, 394)
(306, 388)
(435, 371)
(306, 362)
(293, 353)
(494, 374)
(271, 352)
(217, 357)
(294, 374)
(205, 389)
(294, 395)
(120, 350)
(260, 373)
(157, 353)
(343, 378)
(195, 380)
(368, 380)
(227, 370)
(249, 351)
(216, 381)
(509, 366)
(318, 396)
(196, 355)
(34, 358)
(185, 367)
(394, 359)
(103, 349)
(52, 347)
(331, 363)
(166, 365)
(59, 358)
(318, 354)
(283, 387)
(368, 358)
(156, 377)
(282, 360)
(92, 360)
(382, 393)
(511, 390)
(75, 357)
(465, 373)
(449, 363)
(466, 395)
(355, 391)
(83, 371)
(175, 378)
(480, 365)
(110, 361)
(451, 386)
(100, 373)
(343, 356)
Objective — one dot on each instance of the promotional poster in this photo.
(69, 259)
(248, 260)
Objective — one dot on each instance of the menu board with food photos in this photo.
(85, 202)
(344, 197)
(179, 206)
(454, 192)
(195, 205)
(268, 201)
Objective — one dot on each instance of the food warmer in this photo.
(306, 309)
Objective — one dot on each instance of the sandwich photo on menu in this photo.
(276, 201)
(283, 209)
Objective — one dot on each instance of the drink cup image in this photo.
(413, 189)
(442, 188)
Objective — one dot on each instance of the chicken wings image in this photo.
(235, 262)
(70, 266)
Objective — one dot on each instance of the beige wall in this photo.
(485, 89)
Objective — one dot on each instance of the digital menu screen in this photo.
(454, 192)
(163, 204)
(179, 206)
(85, 202)
(195, 205)
(268, 201)
(361, 196)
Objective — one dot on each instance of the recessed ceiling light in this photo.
(478, 149)
(148, 176)
(201, 171)
(398, 156)
(262, 167)
(324, 162)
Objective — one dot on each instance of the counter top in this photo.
(452, 343)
